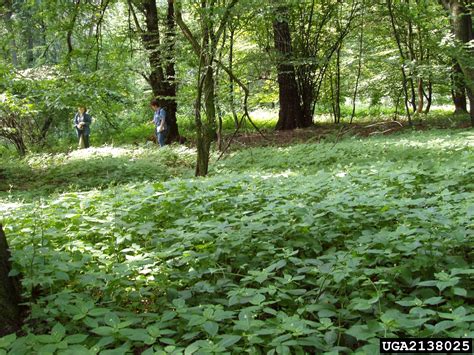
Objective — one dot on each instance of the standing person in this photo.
(159, 119)
(82, 121)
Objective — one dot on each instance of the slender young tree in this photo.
(212, 28)
(403, 56)
(359, 64)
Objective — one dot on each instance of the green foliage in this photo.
(93, 168)
(16, 123)
(314, 248)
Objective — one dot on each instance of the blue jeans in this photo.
(161, 136)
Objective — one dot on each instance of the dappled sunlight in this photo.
(269, 218)
(117, 152)
(265, 115)
(104, 151)
(96, 167)
(392, 151)
(437, 143)
(264, 118)
(8, 207)
(284, 174)
(307, 201)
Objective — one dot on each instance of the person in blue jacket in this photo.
(82, 122)
(159, 119)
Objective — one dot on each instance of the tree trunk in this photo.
(162, 71)
(462, 22)
(170, 40)
(359, 67)
(10, 315)
(402, 56)
(463, 32)
(429, 97)
(307, 102)
(208, 128)
(412, 57)
(290, 115)
(231, 79)
(420, 96)
(458, 90)
(337, 98)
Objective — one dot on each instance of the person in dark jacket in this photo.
(82, 122)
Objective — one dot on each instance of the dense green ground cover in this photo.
(315, 247)
(42, 173)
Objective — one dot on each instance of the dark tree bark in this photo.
(207, 130)
(412, 56)
(161, 59)
(291, 113)
(337, 84)
(458, 91)
(421, 101)
(12, 130)
(359, 66)
(10, 314)
(231, 79)
(71, 28)
(461, 24)
(429, 97)
(170, 91)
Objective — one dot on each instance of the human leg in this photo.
(162, 137)
(81, 141)
(86, 141)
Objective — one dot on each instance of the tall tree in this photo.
(461, 26)
(316, 43)
(458, 90)
(161, 57)
(290, 115)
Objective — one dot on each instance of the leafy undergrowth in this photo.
(93, 168)
(311, 248)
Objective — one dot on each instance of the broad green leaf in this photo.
(104, 330)
(137, 335)
(58, 332)
(229, 340)
(7, 340)
(75, 338)
(211, 328)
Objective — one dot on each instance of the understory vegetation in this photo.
(306, 248)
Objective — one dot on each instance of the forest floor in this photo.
(335, 132)
(303, 248)
(44, 173)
